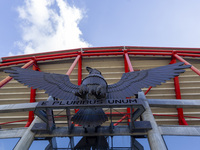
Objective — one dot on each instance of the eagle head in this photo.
(93, 71)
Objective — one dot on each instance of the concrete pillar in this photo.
(155, 139)
(28, 137)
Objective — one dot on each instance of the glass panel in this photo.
(124, 142)
(182, 142)
(144, 142)
(119, 142)
(8, 143)
(39, 144)
(64, 142)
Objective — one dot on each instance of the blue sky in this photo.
(45, 25)
(37, 26)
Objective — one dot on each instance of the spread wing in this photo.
(56, 85)
(132, 82)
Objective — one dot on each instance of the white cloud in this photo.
(49, 25)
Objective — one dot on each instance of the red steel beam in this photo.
(101, 54)
(31, 113)
(160, 48)
(14, 63)
(149, 53)
(126, 70)
(80, 70)
(36, 57)
(188, 55)
(75, 51)
(73, 65)
(161, 51)
(32, 99)
(104, 49)
(127, 59)
(79, 74)
(187, 63)
(7, 79)
(124, 117)
(79, 61)
(56, 57)
(178, 96)
(127, 65)
(143, 49)
(13, 122)
(74, 54)
(148, 90)
(148, 50)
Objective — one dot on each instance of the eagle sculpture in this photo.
(95, 87)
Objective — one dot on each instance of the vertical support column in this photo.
(128, 62)
(178, 96)
(181, 118)
(127, 66)
(155, 139)
(31, 113)
(28, 137)
(79, 74)
(32, 98)
(80, 70)
(125, 63)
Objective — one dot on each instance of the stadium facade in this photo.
(171, 108)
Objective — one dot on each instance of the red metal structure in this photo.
(78, 54)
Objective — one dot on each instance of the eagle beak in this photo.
(89, 69)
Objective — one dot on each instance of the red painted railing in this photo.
(102, 51)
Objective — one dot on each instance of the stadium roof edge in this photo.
(103, 48)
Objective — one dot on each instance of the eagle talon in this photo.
(82, 91)
(100, 92)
